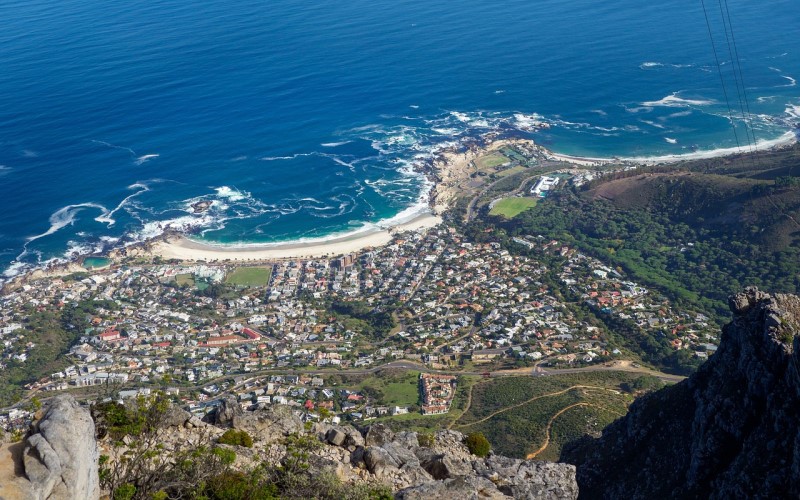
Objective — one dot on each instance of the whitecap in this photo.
(114, 146)
(108, 217)
(673, 100)
(15, 269)
(671, 140)
(278, 158)
(649, 64)
(529, 122)
(231, 193)
(784, 140)
(653, 124)
(65, 217)
(142, 159)
(334, 144)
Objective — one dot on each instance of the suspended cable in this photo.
(741, 77)
(721, 78)
(736, 81)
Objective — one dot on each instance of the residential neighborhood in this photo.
(452, 305)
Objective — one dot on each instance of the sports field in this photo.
(511, 207)
(250, 277)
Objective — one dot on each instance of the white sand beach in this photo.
(189, 250)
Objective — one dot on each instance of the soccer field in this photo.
(511, 207)
(249, 277)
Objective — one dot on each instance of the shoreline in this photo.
(444, 172)
(186, 249)
(787, 139)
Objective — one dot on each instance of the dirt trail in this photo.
(549, 425)
(546, 443)
(466, 408)
(507, 408)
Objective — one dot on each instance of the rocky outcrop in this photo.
(268, 424)
(445, 469)
(227, 410)
(58, 460)
(729, 431)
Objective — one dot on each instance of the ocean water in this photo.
(302, 120)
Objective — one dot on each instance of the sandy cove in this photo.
(185, 249)
(449, 171)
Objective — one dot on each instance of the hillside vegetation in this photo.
(697, 231)
(535, 416)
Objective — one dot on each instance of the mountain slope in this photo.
(729, 431)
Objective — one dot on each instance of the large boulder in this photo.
(378, 460)
(461, 488)
(228, 409)
(174, 417)
(269, 424)
(377, 435)
(529, 479)
(60, 456)
(407, 439)
(335, 436)
(441, 466)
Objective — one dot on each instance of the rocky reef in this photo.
(728, 431)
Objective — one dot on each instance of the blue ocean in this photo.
(302, 120)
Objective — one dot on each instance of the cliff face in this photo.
(729, 431)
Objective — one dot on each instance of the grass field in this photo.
(184, 280)
(397, 389)
(511, 207)
(511, 171)
(249, 277)
(491, 160)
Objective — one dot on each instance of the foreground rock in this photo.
(444, 469)
(729, 431)
(58, 460)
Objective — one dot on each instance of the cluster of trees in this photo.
(361, 317)
(695, 265)
(671, 249)
(53, 332)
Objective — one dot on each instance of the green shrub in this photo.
(477, 444)
(124, 492)
(236, 438)
(426, 439)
